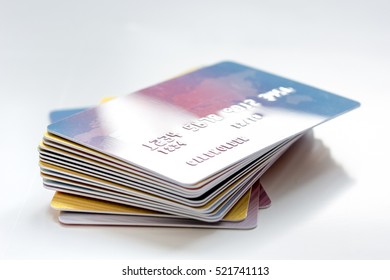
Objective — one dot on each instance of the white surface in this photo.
(331, 193)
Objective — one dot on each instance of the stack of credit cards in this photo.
(187, 152)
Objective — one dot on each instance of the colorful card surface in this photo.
(190, 128)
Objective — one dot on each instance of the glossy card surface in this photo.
(190, 128)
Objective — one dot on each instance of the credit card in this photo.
(202, 123)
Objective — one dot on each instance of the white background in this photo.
(330, 193)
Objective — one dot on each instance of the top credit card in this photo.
(198, 125)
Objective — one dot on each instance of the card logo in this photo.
(276, 93)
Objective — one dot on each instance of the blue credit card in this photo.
(57, 115)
